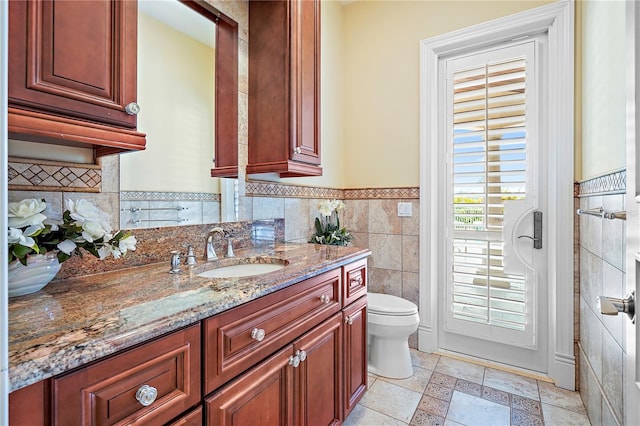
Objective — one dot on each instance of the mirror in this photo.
(169, 183)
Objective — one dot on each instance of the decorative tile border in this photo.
(280, 190)
(382, 193)
(43, 175)
(611, 183)
(167, 196)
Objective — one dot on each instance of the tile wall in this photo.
(601, 345)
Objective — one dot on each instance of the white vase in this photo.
(40, 270)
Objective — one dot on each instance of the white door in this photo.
(493, 279)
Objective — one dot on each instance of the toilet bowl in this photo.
(390, 321)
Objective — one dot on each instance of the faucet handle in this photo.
(230, 247)
(191, 256)
(175, 262)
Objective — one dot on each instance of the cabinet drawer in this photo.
(107, 392)
(355, 281)
(240, 337)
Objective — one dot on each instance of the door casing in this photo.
(557, 20)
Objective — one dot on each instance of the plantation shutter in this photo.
(488, 165)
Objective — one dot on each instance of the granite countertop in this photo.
(78, 320)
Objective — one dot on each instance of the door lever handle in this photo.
(537, 230)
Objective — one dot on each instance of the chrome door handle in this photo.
(537, 230)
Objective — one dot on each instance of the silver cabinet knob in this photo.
(294, 361)
(325, 299)
(614, 305)
(301, 354)
(146, 395)
(297, 150)
(357, 280)
(132, 108)
(258, 334)
(348, 320)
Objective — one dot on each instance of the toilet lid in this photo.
(388, 304)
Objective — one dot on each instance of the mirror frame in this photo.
(226, 89)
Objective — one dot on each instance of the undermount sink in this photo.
(242, 270)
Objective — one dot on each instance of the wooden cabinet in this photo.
(299, 385)
(72, 73)
(235, 339)
(296, 356)
(355, 353)
(151, 384)
(284, 87)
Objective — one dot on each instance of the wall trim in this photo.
(167, 196)
(614, 182)
(25, 174)
(282, 190)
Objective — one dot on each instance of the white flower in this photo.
(325, 207)
(17, 237)
(104, 251)
(67, 246)
(127, 244)
(92, 231)
(84, 211)
(339, 205)
(26, 212)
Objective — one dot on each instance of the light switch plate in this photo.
(404, 210)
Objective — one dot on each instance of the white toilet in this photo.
(390, 321)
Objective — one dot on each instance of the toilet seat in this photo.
(387, 304)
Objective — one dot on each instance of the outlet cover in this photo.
(404, 210)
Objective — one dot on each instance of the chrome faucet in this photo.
(210, 252)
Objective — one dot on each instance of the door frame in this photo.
(631, 375)
(557, 20)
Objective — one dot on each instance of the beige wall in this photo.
(175, 79)
(382, 80)
(603, 86)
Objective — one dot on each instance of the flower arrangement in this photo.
(83, 226)
(328, 229)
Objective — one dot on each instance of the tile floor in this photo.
(446, 391)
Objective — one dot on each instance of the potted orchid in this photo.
(38, 245)
(328, 230)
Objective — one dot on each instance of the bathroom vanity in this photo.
(144, 346)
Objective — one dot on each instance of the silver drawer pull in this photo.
(258, 334)
(132, 108)
(325, 299)
(348, 320)
(146, 395)
(357, 280)
(294, 361)
(302, 355)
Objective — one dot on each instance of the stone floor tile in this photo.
(363, 416)
(496, 395)
(522, 418)
(438, 391)
(417, 382)
(471, 410)
(460, 369)
(557, 416)
(469, 388)
(422, 418)
(525, 404)
(392, 400)
(443, 380)
(552, 395)
(433, 406)
(512, 383)
(424, 359)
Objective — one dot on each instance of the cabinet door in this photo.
(262, 396)
(74, 58)
(29, 406)
(305, 84)
(355, 353)
(319, 375)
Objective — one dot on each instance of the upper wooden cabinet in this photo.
(72, 73)
(284, 87)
